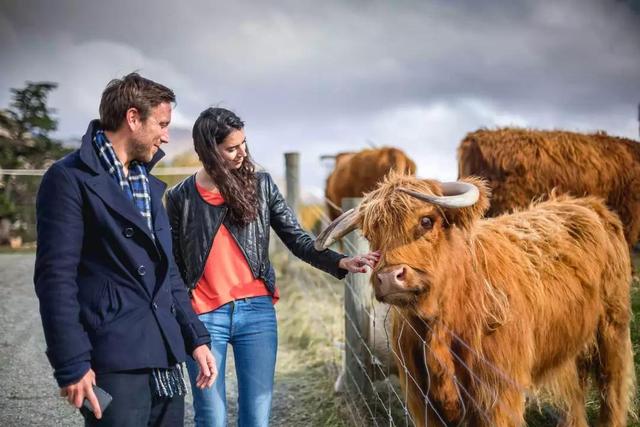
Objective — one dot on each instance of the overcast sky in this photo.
(321, 77)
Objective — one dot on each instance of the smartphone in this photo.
(104, 399)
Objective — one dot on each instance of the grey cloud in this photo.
(312, 75)
(339, 50)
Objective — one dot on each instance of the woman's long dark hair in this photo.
(237, 186)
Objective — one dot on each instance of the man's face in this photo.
(148, 135)
(234, 149)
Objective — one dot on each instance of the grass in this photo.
(310, 323)
(311, 339)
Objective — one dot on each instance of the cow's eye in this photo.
(426, 223)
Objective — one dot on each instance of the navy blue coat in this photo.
(110, 298)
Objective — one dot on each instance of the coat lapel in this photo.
(103, 184)
(105, 187)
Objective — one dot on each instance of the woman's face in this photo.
(234, 149)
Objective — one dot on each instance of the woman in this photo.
(220, 219)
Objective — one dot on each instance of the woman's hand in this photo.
(359, 263)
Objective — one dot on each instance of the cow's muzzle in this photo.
(396, 284)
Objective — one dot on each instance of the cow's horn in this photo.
(455, 195)
(340, 227)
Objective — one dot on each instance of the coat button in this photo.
(128, 232)
(173, 309)
(154, 305)
(141, 270)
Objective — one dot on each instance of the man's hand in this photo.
(76, 393)
(359, 263)
(207, 363)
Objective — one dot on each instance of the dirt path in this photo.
(28, 395)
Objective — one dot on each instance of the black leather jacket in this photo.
(194, 223)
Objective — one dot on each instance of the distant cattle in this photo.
(356, 173)
(521, 165)
(489, 311)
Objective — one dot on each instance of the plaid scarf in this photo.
(169, 382)
(135, 185)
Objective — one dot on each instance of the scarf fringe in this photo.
(169, 382)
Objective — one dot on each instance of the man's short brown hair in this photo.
(131, 91)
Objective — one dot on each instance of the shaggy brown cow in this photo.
(356, 173)
(521, 165)
(488, 311)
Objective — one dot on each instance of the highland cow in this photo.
(356, 173)
(522, 165)
(489, 311)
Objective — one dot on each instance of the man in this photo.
(114, 308)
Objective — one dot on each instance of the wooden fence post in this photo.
(292, 174)
(357, 306)
(292, 171)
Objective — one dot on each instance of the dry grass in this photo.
(311, 217)
(311, 324)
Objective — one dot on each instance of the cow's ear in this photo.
(464, 217)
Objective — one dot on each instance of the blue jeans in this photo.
(249, 325)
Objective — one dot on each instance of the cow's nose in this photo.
(394, 276)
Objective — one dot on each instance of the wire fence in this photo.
(367, 385)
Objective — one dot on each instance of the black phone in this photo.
(104, 399)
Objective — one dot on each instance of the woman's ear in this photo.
(464, 217)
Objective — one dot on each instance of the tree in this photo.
(25, 143)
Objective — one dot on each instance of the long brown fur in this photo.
(357, 173)
(521, 165)
(532, 301)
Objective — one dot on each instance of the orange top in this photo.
(226, 275)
